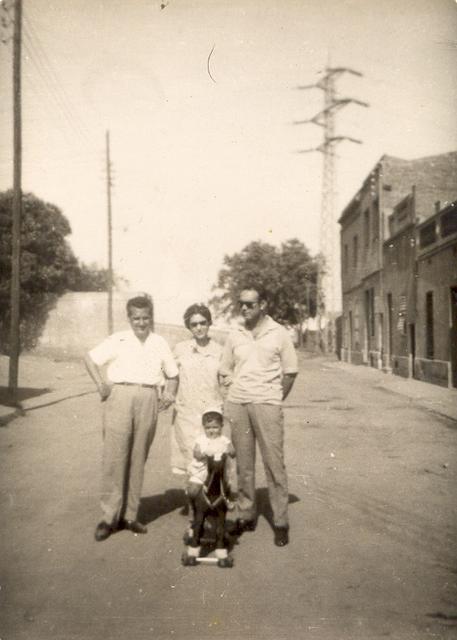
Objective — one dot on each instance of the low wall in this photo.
(400, 366)
(434, 371)
(79, 322)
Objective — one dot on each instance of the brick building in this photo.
(435, 356)
(378, 322)
(399, 255)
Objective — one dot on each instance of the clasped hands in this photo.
(166, 400)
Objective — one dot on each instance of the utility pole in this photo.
(17, 207)
(109, 184)
(327, 277)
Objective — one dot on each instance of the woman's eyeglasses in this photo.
(246, 303)
(202, 323)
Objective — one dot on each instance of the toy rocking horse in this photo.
(207, 532)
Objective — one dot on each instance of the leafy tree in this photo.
(288, 274)
(48, 266)
(90, 278)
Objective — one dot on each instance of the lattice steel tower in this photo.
(328, 277)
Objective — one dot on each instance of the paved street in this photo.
(372, 469)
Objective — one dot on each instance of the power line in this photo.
(52, 86)
(51, 79)
(53, 74)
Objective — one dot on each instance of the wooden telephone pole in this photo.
(17, 207)
(109, 184)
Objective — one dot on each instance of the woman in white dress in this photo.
(198, 363)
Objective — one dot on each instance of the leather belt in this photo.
(138, 384)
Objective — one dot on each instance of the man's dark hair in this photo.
(195, 309)
(261, 291)
(140, 302)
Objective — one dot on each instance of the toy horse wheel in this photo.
(187, 537)
(187, 560)
(225, 563)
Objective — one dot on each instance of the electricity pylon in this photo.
(328, 270)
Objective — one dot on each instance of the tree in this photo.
(90, 278)
(288, 274)
(48, 265)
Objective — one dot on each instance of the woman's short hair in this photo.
(194, 309)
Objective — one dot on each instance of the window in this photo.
(369, 311)
(427, 234)
(401, 325)
(345, 258)
(372, 317)
(375, 219)
(355, 257)
(449, 222)
(390, 312)
(366, 229)
(429, 346)
(356, 327)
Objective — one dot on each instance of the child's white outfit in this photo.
(216, 447)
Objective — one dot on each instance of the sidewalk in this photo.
(439, 400)
(44, 381)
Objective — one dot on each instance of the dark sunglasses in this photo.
(246, 303)
(203, 323)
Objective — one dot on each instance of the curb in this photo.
(438, 400)
(7, 414)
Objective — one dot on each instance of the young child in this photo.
(211, 443)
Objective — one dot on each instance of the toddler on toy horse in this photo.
(209, 490)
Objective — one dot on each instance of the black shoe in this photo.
(103, 531)
(281, 536)
(245, 525)
(134, 526)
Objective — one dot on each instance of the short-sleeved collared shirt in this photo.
(257, 362)
(130, 360)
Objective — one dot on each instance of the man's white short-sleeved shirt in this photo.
(130, 360)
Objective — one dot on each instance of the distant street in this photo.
(373, 527)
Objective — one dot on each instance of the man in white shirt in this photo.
(137, 361)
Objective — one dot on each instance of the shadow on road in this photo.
(263, 504)
(69, 396)
(154, 507)
(23, 393)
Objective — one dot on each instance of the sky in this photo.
(204, 153)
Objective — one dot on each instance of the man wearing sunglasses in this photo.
(259, 366)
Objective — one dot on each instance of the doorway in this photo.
(412, 348)
(453, 336)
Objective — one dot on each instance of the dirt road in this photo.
(373, 528)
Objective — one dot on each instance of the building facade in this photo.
(435, 357)
(399, 254)
(378, 258)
